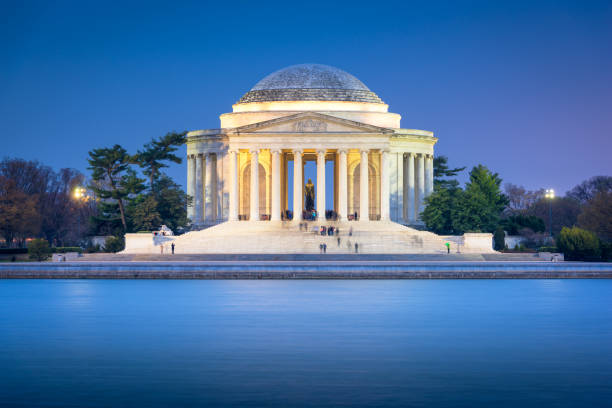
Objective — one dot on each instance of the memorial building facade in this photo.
(241, 171)
(248, 185)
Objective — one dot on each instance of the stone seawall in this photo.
(306, 270)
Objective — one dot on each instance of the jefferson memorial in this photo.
(309, 113)
(248, 185)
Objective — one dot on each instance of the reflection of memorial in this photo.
(309, 113)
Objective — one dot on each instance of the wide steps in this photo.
(286, 237)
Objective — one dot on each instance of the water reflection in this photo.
(305, 343)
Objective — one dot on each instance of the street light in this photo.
(79, 192)
(550, 194)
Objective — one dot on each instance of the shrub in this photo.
(606, 251)
(92, 249)
(13, 251)
(63, 250)
(548, 249)
(499, 239)
(38, 249)
(114, 244)
(578, 244)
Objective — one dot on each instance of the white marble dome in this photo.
(310, 82)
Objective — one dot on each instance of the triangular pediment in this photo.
(310, 122)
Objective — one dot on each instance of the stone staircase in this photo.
(375, 237)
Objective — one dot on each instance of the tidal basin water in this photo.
(460, 343)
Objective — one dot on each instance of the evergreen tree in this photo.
(440, 208)
(114, 181)
(172, 202)
(151, 159)
(143, 214)
(442, 172)
(480, 207)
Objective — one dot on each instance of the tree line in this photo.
(36, 201)
(583, 214)
(125, 193)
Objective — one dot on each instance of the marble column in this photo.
(191, 185)
(430, 175)
(276, 184)
(399, 188)
(219, 199)
(409, 177)
(320, 185)
(298, 190)
(364, 181)
(342, 185)
(384, 185)
(420, 183)
(254, 216)
(198, 189)
(208, 189)
(233, 192)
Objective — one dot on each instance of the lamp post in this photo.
(550, 194)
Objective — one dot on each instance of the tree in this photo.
(60, 215)
(442, 172)
(19, 217)
(596, 215)
(499, 239)
(440, 210)
(588, 189)
(578, 244)
(480, 206)
(114, 244)
(565, 212)
(109, 167)
(515, 223)
(158, 151)
(172, 203)
(143, 214)
(520, 199)
(38, 249)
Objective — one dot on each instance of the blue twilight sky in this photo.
(522, 87)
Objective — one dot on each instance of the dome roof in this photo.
(310, 82)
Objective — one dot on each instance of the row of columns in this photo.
(415, 177)
(298, 188)
(204, 184)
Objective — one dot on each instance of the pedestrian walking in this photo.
(447, 247)
(351, 232)
(324, 248)
(172, 246)
(356, 248)
(320, 248)
(338, 241)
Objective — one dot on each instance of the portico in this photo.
(270, 181)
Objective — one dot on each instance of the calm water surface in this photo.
(460, 343)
